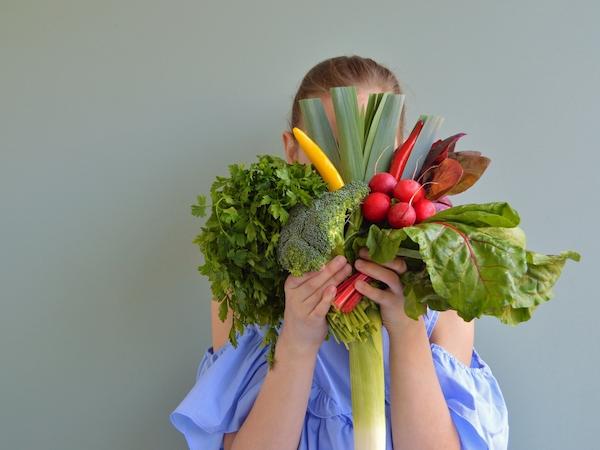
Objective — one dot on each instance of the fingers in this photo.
(322, 308)
(379, 296)
(312, 300)
(329, 271)
(293, 282)
(378, 272)
(398, 264)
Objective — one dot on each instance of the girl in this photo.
(440, 394)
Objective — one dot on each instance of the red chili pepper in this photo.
(345, 300)
(402, 153)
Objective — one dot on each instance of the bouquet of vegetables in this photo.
(274, 218)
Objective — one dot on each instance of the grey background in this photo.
(114, 115)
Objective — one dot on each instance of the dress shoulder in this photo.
(227, 383)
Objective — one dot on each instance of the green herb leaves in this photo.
(239, 240)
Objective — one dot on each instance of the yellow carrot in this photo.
(323, 165)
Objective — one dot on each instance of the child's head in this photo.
(364, 73)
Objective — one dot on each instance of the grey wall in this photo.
(115, 114)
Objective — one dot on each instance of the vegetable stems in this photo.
(368, 388)
(347, 296)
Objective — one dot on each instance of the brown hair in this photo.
(344, 71)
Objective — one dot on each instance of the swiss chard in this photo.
(475, 262)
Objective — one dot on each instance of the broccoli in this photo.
(314, 234)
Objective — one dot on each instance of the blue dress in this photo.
(228, 381)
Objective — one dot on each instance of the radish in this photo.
(375, 206)
(383, 182)
(424, 209)
(400, 215)
(409, 189)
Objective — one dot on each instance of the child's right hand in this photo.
(307, 301)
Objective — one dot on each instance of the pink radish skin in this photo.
(383, 182)
(401, 215)
(405, 190)
(424, 209)
(376, 206)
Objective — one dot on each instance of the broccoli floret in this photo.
(314, 234)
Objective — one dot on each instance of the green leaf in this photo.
(319, 129)
(350, 132)
(497, 214)
(199, 209)
(383, 244)
(474, 271)
(542, 273)
(223, 310)
(419, 293)
(228, 215)
(381, 139)
(239, 238)
(515, 235)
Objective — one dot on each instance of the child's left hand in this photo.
(390, 300)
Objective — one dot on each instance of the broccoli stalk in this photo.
(314, 234)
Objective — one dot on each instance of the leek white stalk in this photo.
(368, 388)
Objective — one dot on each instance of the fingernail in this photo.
(358, 263)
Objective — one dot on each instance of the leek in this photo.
(366, 139)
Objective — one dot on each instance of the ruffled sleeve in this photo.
(475, 400)
(227, 384)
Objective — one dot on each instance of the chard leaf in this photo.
(495, 214)
(535, 286)
(542, 273)
(419, 293)
(477, 264)
(515, 235)
(440, 150)
(383, 244)
(473, 167)
(474, 271)
(445, 177)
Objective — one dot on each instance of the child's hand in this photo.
(390, 300)
(307, 301)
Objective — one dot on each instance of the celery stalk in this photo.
(368, 388)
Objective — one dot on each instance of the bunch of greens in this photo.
(274, 218)
(471, 259)
(239, 240)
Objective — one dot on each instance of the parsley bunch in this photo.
(239, 240)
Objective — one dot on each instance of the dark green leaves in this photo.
(471, 270)
(383, 244)
(498, 214)
(239, 238)
(474, 262)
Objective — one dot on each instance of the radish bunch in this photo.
(401, 203)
